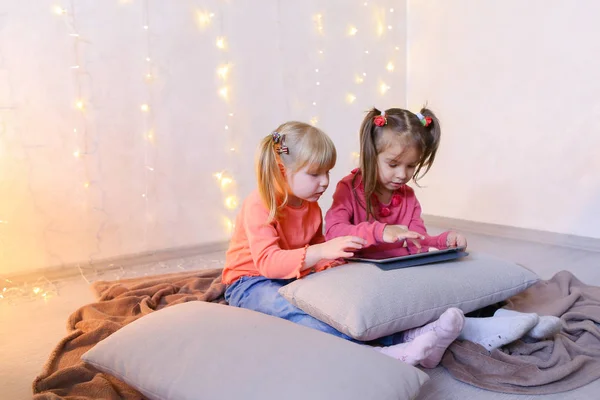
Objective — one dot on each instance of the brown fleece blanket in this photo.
(65, 376)
(569, 360)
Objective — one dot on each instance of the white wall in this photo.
(57, 208)
(515, 84)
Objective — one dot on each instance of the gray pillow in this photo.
(201, 350)
(367, 303)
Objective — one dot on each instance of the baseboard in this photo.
(70, 270)
(511, 232)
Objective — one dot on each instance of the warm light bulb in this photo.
(149, 168)
(145, 107)
(397, 48)
(58, 10)
(314, 120)
(314, 103)
(232, 149)
(146, 27)
(36, 290)
(231, 202)
(316, 69)
(150, 135)
(366, 51)
(220, 42)
(391, 10)
(390, 66)
(226, 182)
(352, 31)
(350, 98)
(224, 93)
(86, 185)
(76, 154)
(218, 175)
(229, 225)
(383, 88)
(380, 29)
(148, 59)
(226, 127)
(204, 18)
(358, 79)
(318, 83)
(390, 27)
(318, 22)
(222, 71)
(231, 114)
(320, 51)
(80, 105)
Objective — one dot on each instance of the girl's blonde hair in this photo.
(299, 145)
(408, 127)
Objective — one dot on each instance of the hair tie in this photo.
(280, 148)
(380, 120)
(425, 121)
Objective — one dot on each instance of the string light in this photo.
(352, 30)
(58, 10)
(318, 19)
(221, 43)
(390, 66)
(145, 107)
(76, 154)
(204, 18)
(80, 105)
(350, 98)
(224, 92)
(390, 27)
(222, 71)
(231, 202)
(391, 10)
(358, 79)
(383, 88)
(313, 121)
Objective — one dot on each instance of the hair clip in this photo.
(380, 120)
(283, 150)
(278, 140)
(425, 121)
(276, 137)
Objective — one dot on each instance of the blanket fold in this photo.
(569, 360)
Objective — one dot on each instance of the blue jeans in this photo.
(261, 294)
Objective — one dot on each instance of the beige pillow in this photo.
(367, 303)
(201, 350)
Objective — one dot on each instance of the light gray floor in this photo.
(30, 330)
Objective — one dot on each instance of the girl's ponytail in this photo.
(368, 158)
(430, 142)
(271, 182)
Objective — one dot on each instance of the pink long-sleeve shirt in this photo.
(348, 216)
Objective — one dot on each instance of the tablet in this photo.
(412, 260)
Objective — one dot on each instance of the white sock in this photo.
(412, 352)
(495, 332)
(547, 325)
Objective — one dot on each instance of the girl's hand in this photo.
(340, 247)
(395, 233)
(456, 240)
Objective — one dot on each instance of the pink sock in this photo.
(447, 329)
(412, 352)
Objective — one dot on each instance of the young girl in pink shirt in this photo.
(375, 203)
(278, 236)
